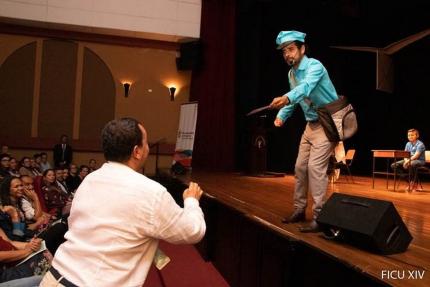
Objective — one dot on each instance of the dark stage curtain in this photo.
(212, 85)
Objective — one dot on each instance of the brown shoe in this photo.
(297, 216)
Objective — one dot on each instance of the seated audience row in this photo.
(35, 202)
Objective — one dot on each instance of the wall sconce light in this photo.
(126, 89)
(172, 93)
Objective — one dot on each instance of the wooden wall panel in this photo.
(57, 88)
(98, 96)
(16, 92)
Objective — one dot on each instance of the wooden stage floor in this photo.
(268, 200)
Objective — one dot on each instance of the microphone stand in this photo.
(156, 144)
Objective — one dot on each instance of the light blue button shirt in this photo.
(313, 82)
(417, 147)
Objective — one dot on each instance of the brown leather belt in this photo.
(63, 280)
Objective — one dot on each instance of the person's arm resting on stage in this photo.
(180, 225)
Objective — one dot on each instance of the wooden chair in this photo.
(422, 170)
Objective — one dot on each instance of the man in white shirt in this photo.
(118, 215)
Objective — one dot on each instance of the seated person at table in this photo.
(417, 150)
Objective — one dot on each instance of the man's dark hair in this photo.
(48, 170)
(119, 137)
(81, 168)
(58, 168)
(21, 162)
(414, 131)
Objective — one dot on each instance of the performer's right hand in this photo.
(278, 122)
(279, 102)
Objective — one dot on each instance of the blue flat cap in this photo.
(287, 37)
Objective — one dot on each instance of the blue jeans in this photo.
(23, 282)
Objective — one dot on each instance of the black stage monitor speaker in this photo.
(367, 223)
(191, 54)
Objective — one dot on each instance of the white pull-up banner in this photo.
(185, 139)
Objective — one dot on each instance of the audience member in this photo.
(5, 149)
(10, 218)
(65, 174)
(25, 168)
(35, 168)
(53, 234)
(44, 164)
(118, 216)
(13, 167)
(59, 179)
(92, 165)
(74, 181)
(4, 165)
(12, 252)
(55, 199)
(63, 152)
(14, 196)
(30, 203)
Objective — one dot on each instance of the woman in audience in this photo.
(13, 167)
(11, 189)
(30, 203)
(13, 252)
(11, 194)
(10, 218)
(55, 199)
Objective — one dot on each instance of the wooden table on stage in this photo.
(389, 154)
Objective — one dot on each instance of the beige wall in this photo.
(177, 18)
(150, 72)
(147, 69)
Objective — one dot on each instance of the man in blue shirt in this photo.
(311, 88)
(417, 159)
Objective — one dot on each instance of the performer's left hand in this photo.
(279, 102)
(278, 122)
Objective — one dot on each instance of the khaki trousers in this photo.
(311, 168)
